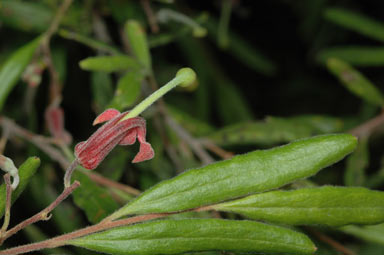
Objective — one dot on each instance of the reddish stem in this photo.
(42, 215)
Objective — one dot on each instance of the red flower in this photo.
(90, 153)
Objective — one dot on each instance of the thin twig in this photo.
(336, 245)
(368, 127)
(210, 145)
(8, 203)
(109, 183)
(55, 87)
(42, 215)
(39, 141)
(150, 15)
(194, 144)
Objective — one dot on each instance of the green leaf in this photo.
(276, 130)
(13, 68)
(26, 171)
(244, 174)
(373, 234)
(94, 200)
(138, 43)
(127, 91)
(355, 55)
(89, 42)
(102, 90)
(25, 16)
(332, 206)
(357, 163)
(244, 51)
(356, 22)
(109, 63)
(355, 82)
(179, 236)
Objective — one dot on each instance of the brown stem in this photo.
(210, 145)
(150, 15)
(8, 199)
(42, 215)
(194, 144)
(368, 127)
(109, 183)
(39, 141)
(336, 245)
(55, 88)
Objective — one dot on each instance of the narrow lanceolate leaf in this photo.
(356, 164)
(373, 233)
(190, 235)
(26, 171)
(355, 82)
(127, 91)
(18, 15)
(13, 68)
(332, 206)
(138, 43)
(354, 55)
(276, 130)
(356, 22)
(249, 173)
(109, 63)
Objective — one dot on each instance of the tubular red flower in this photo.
(91, 153)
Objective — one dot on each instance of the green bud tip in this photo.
(187, 75)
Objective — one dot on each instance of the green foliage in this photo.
(369, 233)
(276, 130)
(13, 68)
(355, 55)
(109, 63)
(332, 206)
(249, 173)
(127, 91)
(178, 236)
(251, 61)
(102, 90)
(355, 82)
(356, 22)
(138, 43)
(94, 200)
(26, 172)
(356, 164)
(18, 14)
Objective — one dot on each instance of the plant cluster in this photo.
(204, 176)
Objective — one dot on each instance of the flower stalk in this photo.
(184, 77)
